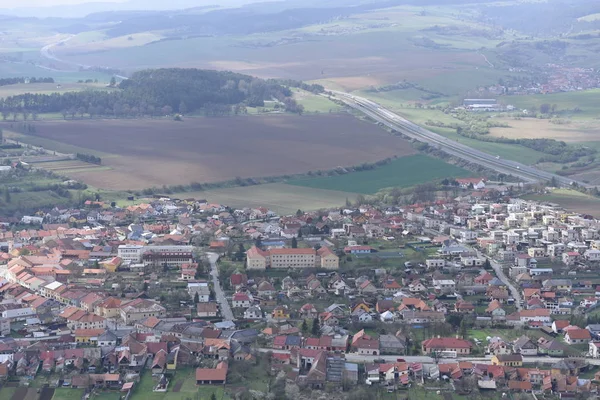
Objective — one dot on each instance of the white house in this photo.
(594, 350)
(241, 300)
(435, 263)
(201, 288)
(253, 313)
(387, 316)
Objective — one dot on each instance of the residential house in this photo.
(212, 376)
(434, 345)
(525, 346)
(207, 310)
(241, 300)
(577, 336)
(508, 360)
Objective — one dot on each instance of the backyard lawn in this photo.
(67, 394)
(7, 392)
(184, 382)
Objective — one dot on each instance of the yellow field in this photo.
(530, 128)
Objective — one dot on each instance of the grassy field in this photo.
(588, 102)
(402, 172)
(7, 392)
(571, 200)
(215, 149)
(279, 197)
(47, 88)
(67, 394)
(188, 389)
(530, 128)
(314, 103)
(106, 396)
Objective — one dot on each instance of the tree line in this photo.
(161, 92)
(88, 158)
(14, 81)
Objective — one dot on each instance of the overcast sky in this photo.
(49, 3)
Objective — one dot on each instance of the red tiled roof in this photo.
(447, 343)
(212, 374)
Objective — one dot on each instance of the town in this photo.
(479, 293)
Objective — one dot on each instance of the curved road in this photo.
(46, 52)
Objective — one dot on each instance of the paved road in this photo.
(361, 359)
(513, 290)
(46, 52)
(220, 296)
(409, 129)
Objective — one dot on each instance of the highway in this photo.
(391, 120)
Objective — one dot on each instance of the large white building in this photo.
(173, 256)
(130, 252)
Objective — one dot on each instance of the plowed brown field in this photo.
(144, 153)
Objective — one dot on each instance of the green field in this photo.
(48, 88)
(571, 200)
(588, 101)
(314, 103)
(279, 197)
(402, 172)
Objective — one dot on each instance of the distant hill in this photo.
(164, 91)
(81, 10)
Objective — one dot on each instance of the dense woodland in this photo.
(162, 92)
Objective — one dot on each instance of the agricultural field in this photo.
(571, 200)
(47, 88)
(146, 153)
(279, 197)
(575, 131)
(586, 102)
(314, 103)
(402, 172)
(366, 49)
(70, 167)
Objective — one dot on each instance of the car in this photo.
(401, 360)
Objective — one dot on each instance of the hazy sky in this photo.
(49, 3)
